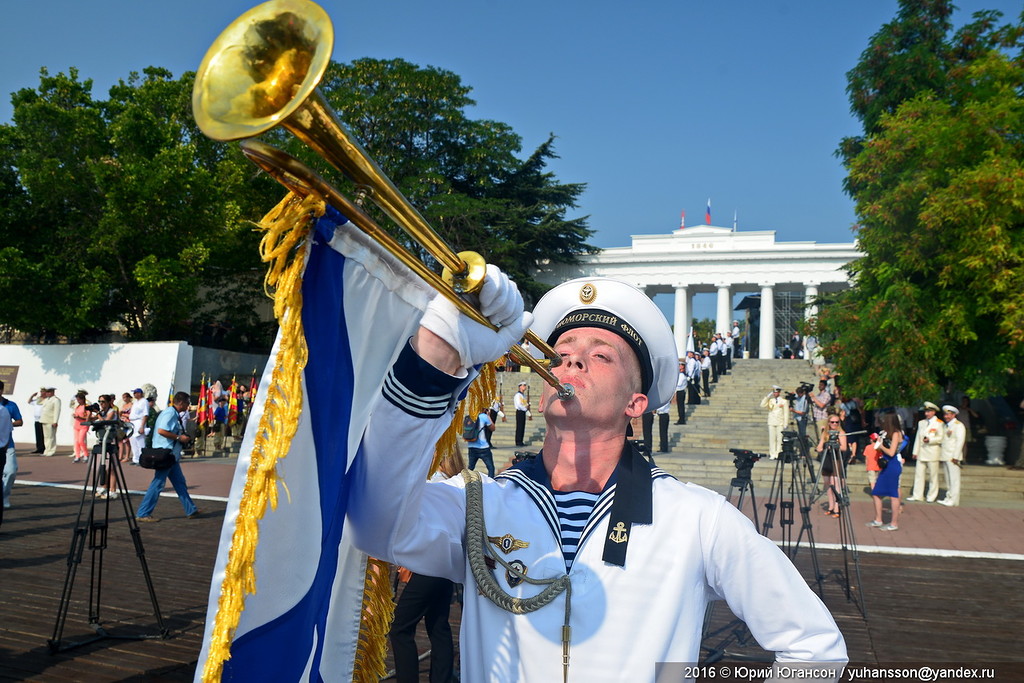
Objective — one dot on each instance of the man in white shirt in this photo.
(50, 416)
(681, 385)
(522, 409)
(36, 401)
(952, 453)
(642, 552)
(927, 452)
(778, 419)
(138, 416)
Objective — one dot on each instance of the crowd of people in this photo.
(137, 423)
(883, 440)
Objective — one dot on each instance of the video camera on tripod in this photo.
(744, 460)
(792, 395)
(119, 429)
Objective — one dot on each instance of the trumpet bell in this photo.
(262, 68)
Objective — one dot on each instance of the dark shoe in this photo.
(195, 513)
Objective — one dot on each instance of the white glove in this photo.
(500, 302)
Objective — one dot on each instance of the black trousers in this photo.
(520, 427)
(40, 444)
(704, 376)
(428, 598)
(648, 422)
(663, 432)
(681, 405)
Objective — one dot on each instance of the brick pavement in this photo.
(978, 529)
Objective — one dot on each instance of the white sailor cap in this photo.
(928, 405)
(776, 387)
(950, 409)
(621, 308)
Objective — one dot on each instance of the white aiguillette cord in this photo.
(477, 550)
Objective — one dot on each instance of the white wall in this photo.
(97, 368)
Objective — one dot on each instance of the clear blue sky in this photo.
(656, 105)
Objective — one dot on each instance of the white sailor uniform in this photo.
(623, 619)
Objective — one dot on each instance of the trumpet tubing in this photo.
(262, 72)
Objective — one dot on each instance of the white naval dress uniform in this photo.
(927, 458)
(624, 619)
(778, 420)
(952, 449)
(138, 417)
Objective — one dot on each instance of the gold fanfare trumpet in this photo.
(263, 71)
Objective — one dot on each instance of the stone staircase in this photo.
(733, 417)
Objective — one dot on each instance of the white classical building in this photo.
(707, 258)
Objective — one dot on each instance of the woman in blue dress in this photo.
(888, 483)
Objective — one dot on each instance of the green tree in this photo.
(913, 54)
(122, 214)
(462, 174)
(939, 190)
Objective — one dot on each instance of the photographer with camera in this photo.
(778, 419)
(832, 445)
(888, 446)
(82, 415)
(107, 412)
(800, 404)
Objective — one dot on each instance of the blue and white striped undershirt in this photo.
(574, 509)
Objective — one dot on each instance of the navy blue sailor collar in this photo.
(633, 501)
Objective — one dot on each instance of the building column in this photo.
(810, 294)
(723, 319)
(766, 344)
(682, 319)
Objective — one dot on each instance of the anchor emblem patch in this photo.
(618, 534)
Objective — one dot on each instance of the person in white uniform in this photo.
(952, 453)
(138, 417)
(606, 562)
(778, 419)
(927, 452)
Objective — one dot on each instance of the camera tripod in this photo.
(850, 575)
(798, 501)
(744, 461)
(91, 528)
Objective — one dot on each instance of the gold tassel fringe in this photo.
(286, 227)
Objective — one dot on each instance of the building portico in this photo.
(725, 262)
